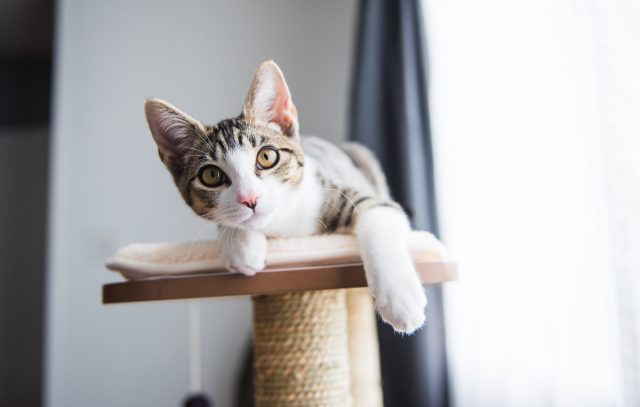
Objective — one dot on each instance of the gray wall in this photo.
(109, 188)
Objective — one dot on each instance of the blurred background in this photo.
(524, 122)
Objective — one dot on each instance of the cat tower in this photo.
(315, 341)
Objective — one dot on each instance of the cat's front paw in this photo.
(400, 298)
(246, 253)
(402, 308)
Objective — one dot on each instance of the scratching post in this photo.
(316, 348)
(364, 358)
(301, 352)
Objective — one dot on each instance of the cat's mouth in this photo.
(256, 219)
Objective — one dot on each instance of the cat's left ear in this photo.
(173, 131)
(269, 100)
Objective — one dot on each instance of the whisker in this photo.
(230, 237)
(320, 222)
(225, 228)
(195, 239)
(208, 142)
(338, 209)
(343, 194)
(197, 150)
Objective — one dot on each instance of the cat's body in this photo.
(257, 178)
(331, 190)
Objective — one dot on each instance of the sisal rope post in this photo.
(364, 355)
(301, 352)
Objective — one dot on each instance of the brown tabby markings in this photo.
(212, 146)
(342, 206)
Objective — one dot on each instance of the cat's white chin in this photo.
(256, 220)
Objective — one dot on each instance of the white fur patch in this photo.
(392, 279)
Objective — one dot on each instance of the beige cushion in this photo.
(147, 260)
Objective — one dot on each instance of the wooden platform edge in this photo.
(263, 283)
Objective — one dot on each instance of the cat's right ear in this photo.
(173, 131)
(269, 100)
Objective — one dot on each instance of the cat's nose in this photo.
(250, 201)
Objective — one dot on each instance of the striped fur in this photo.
(342, 205)
(212, 147)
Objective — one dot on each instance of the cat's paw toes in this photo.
(241, 268)
(249, 264)
(248, 258)
(403, 311)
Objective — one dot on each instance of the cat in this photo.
(256, 174)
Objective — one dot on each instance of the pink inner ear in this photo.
(269, 100)
(283, 111)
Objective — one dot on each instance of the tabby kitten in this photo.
(256, 175)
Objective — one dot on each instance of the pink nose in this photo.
(250, 201)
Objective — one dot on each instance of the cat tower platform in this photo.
(314, 335)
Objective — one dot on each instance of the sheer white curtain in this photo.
(536, 124)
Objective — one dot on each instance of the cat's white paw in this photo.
(246, 253)
(398, 293)
(402, 307)
(399, 297)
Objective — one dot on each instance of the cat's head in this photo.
(239, 171)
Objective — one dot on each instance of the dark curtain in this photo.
(389, 114)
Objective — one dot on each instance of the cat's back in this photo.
(351, 165)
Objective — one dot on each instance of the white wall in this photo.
(109, 188)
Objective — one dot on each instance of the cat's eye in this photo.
(212, 176)
(267, 158)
